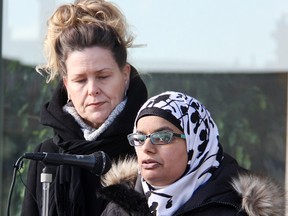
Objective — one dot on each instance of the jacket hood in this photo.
(261, 195)
(119, 185)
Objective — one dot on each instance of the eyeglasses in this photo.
(157, 138)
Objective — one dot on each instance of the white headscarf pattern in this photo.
(203, 148)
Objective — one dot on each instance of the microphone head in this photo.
(103, 163)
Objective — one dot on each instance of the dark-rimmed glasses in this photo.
(157, 138)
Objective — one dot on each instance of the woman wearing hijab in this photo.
(181, 168)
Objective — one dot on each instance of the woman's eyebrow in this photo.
(157, 130)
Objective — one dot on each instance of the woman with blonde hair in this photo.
(93, 107)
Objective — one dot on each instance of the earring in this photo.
(68, 98)
(126, 89)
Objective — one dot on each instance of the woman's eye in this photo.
(102, 77)
(140, 139)
(163, 138)
(79, 80)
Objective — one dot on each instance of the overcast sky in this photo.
(184, 34)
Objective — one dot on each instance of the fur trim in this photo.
(261, 196)
(119, 184)
(124, 171)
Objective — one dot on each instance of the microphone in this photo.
(98, 163)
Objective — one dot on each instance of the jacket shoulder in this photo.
(46, 146)
(118, 188)
(260, 194)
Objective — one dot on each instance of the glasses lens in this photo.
(161, 137)
(136, 139)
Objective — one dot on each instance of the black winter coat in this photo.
(73, 190)
(230, 191)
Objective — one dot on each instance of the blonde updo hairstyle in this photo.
(86, 23)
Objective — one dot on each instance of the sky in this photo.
(184, 35)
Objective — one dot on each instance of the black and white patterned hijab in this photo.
(203, 148)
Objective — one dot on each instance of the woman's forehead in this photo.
(155, 123)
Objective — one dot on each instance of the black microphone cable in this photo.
(98, 163)
(17, 166)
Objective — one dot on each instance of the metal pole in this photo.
(46, 179)
(1, 111)
(286, 161)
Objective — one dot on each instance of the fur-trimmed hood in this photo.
(261, 196)
(119, 183)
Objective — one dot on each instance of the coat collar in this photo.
(246, 191)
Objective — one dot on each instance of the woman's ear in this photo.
(68, 95)
(126, 71)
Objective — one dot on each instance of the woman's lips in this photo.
(98, 104)
(150, 164)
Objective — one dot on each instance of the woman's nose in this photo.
(148, 146)
(93, 88)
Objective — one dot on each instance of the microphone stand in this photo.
(46, 179)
